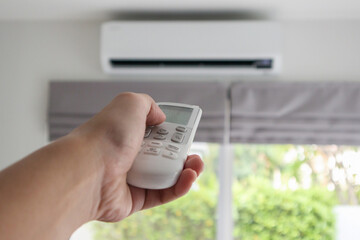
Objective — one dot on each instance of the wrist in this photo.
(88, 173)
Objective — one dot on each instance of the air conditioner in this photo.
(191, 47)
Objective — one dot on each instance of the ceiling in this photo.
(111, 9)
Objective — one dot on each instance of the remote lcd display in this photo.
(178, 115)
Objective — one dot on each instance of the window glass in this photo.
(290, 191)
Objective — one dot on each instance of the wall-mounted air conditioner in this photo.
(191, 47)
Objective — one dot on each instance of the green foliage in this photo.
(258, 159)
(261, 212)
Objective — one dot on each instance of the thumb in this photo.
(155, 116)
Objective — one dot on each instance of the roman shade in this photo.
(298, 113)
(72, 103)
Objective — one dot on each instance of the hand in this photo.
(116, 134)
(82, 176)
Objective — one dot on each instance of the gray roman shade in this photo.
(72, 103)
(299, 113)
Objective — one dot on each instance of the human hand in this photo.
(116, 134)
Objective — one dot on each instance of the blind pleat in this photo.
(73, 103)
(301, 113)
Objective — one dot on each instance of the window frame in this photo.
(224, 224)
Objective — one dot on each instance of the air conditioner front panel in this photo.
(176, 41)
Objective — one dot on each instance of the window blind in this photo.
(298, 113)
(73, 103)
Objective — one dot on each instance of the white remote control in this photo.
(165, 147)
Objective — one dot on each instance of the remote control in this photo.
(165, 147)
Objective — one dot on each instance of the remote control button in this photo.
(159, 137)
(147, 132)
(170, 155)
(173, 148)
(162, 131)
(177, 137)
(180, 129)
(142, 146)
(155, 144)
(152, 151)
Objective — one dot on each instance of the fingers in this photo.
(183, 185)
(193, 167)
(194, 162)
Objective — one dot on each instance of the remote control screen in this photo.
(178, 115)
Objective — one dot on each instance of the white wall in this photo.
(322, 50)
(30, 55)
(33, 53)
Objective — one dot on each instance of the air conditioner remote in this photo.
(165, 147)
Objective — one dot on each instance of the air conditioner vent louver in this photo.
(194, 63)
